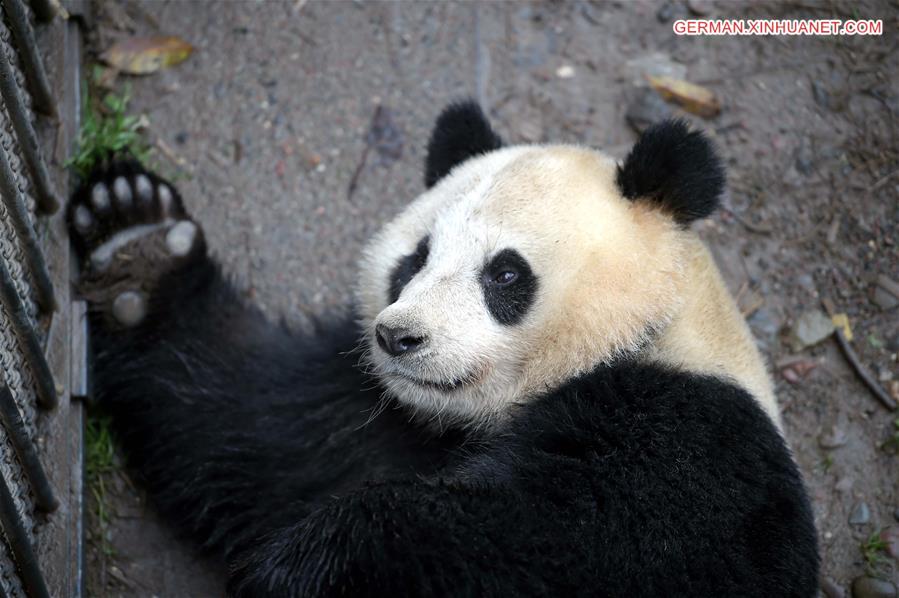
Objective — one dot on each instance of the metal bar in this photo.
(18, 436)
(31, 57)
(18, 114)
(43, 10)
(28, 341)
(20, 544)
(18, 216)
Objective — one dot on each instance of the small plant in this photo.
(873, 551)
(99, 463)
(826, 463)
(106, 129)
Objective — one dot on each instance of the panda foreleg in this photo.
(142, 255)
(216, 408)
(417, 538)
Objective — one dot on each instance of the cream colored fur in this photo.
(615, 278)
(710, 335)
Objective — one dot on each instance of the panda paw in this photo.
(130, 228)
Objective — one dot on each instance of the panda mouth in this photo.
(470, 378)
(441, 386)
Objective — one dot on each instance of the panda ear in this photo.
(461, 131)
(674, 168)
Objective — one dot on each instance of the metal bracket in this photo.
(80, 383)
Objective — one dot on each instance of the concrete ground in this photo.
(266, 125)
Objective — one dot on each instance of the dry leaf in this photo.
(690, 97)
(842, 321)
(145, 55)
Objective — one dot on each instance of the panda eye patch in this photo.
(407, 268)
(509, 286)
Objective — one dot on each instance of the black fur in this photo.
(462, 132)
(630, 481)
(407, 268)
(508, 303)
(676, 169)
(263, 444)
(116, 220)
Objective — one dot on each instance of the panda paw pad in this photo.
(129, 227)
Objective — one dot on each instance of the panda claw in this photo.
(166, 200)
(100, 198)
(129, 308)
(144, 189)
(122, 191)
(84, 221)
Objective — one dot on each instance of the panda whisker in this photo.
(376, 410)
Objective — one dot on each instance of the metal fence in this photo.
(28, 304)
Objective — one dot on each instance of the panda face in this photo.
(521, 269)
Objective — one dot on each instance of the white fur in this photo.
(613, 275)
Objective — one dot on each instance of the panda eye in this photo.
(505, 277)
(509, 285)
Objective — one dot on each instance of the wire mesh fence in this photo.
(27, 302)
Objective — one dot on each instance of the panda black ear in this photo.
(676, 169)
(461, 131)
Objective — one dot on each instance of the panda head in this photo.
(521, 267)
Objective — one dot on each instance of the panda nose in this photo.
(398, 341)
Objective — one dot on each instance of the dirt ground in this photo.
(267, 121)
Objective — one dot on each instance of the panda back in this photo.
(684, 484)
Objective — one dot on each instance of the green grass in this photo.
(873, 551)
(100, 463)
(106, 129)
(892, 443)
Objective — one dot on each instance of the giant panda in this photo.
(543, 387)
